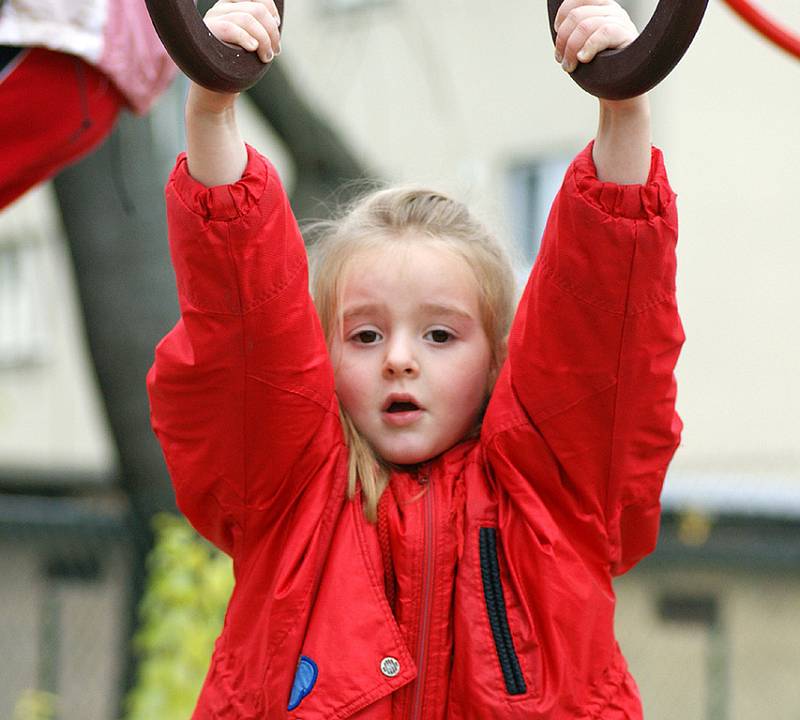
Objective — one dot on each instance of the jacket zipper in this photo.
(427, 596)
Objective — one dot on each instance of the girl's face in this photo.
(411, 358)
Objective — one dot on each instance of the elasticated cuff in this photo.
(635, 202)
(221, 202)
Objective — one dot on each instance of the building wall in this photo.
(744, 669)
(449, 94)
(455, 93)
(50, 411)
(61, 633)
(732, 133)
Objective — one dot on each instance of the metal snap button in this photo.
(390, 667)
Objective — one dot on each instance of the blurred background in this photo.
(465, 96)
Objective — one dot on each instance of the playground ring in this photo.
(635, 69)
(613, 74)
(206, 60)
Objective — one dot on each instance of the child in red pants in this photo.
(65, 73)
(58, 109)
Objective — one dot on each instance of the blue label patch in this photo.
(304, 680)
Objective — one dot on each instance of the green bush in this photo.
(182, 611)
(36, 705)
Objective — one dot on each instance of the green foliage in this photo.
(35, 705)
(182, 612)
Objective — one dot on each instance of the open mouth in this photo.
(402, 406)
(402, 410)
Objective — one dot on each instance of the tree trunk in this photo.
(113, 212)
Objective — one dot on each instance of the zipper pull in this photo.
(423, 475)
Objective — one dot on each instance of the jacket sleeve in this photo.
(588, 391)
(242, 384)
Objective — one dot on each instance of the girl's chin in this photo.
(407, 458)
(412, 455)
(406, 455)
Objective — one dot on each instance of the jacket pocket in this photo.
(497, 613)
(351, 637)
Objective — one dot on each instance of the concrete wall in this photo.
(744, 669)
(50, 411)
(61, 633)
(455, 94)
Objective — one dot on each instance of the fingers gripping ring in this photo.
(635, 69)
(209, 62)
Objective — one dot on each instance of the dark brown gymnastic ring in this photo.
(206, 60)
(639, 67)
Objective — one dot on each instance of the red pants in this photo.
(54, 109)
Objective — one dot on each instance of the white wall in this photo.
(453, 92)
(50, 410)
(729, 119)
(756, 642)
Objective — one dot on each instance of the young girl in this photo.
(425, 509)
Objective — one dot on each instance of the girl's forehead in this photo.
(407, 253)
(396, 271)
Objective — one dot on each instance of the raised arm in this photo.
(584, 409)
(241, 391)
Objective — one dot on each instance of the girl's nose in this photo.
(400, 361)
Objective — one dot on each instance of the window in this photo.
(22, 336)
(532, 187)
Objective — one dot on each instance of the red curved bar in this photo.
(765, 25)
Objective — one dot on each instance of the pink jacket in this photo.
(114, 35)
(503, 548)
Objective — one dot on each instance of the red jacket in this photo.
(503, 549)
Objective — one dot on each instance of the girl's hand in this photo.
(214, 147)
(587, 27)
(251, 24)
(622, 147)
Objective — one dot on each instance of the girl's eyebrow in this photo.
(434, 308)
(362, 309)
(446, 309)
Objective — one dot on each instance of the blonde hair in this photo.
(386, 216)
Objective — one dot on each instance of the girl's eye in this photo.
(367, 337)
(439, 336)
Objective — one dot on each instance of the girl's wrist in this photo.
(622, 146)
(215, 150)
(631, 109)
(202, 102)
